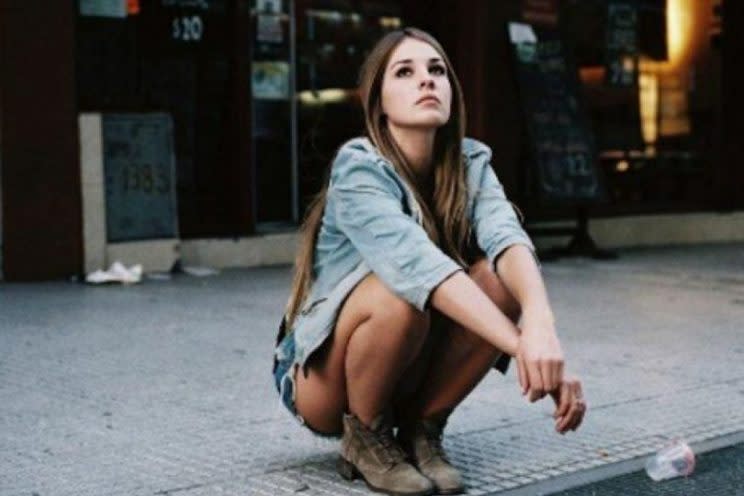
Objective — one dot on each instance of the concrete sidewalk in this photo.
(165, 387)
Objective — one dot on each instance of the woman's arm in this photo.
(501, 236)
(517, 269)
(537, 350)
(539, 357)
(460, 299)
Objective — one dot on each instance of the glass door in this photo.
(273, 119)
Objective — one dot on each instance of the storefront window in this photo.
(333, 38)
(273, 122)
(655, 135)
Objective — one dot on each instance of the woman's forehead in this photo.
(413, 50)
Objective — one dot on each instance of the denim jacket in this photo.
(372, 223)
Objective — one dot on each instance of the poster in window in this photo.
(269, 29)
(269, 6)
(270, 80)
(621, 44)
(103, 8)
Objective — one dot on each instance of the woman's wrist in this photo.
(512, 346)
(540, 317)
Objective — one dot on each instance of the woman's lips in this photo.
(428, 99)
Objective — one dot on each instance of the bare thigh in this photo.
(321, 397)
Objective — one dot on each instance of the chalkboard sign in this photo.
(621, 50)
(139, 168)
(561, 143)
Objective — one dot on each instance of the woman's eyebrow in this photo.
(408, 61)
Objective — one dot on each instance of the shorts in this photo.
(284, 370)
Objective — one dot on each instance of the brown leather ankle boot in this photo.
(422, 441)
(372, 453)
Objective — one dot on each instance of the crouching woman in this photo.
(413, 279)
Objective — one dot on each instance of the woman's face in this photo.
(416, 91)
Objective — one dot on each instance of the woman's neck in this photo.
(417, 146)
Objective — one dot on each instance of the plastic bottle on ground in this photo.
(673, 460)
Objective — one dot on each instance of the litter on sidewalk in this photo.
(118, 272)
(673, 460)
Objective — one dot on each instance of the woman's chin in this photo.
(427, 122)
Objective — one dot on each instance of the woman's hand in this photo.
(539, 358)
(569, 405)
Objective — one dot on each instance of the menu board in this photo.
(139, 169)
(560, 141)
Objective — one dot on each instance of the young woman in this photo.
(412, 275)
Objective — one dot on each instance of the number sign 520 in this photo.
(188, 28)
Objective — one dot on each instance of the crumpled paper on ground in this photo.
(118, 272)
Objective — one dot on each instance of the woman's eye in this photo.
(438, 70)
(403, 71)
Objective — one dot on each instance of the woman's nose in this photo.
(426, 82)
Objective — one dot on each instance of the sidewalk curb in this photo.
(611, 470)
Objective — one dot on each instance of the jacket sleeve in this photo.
(367, 204)
(493, 217)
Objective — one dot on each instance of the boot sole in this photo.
(451, 491)
(348, 471)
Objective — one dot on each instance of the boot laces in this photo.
(383, 442)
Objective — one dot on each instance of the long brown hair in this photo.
(445, 220)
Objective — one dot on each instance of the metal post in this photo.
(294, 141)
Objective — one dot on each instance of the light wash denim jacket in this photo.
(372, 223)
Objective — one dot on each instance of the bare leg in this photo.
(459, 359)
(377, 337)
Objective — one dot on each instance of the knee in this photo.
(398, 317)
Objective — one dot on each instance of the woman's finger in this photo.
(569, 404)
(565, 402)
(580, 400)
(522, 374)
(553, 372)
(568, 419)
(564, 420)
(546, 371)
(534, 374)
(579, 417)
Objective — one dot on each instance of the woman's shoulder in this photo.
(358, 159)
(361, 151)
(359, 148)
(362, 146)
(359, 154)
(472, 148)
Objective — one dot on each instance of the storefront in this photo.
(260, 93)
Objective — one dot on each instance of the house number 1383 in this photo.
(188, 28)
